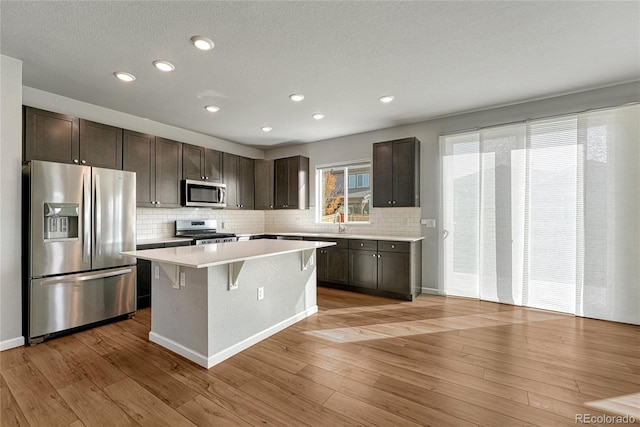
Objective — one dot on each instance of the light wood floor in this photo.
(361, 360)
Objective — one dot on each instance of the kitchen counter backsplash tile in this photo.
(155, 223)
(383, 221)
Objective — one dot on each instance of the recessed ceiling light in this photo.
(387, 99)
(212, 108)
(296, 97)
(125, 77)
(266, 128)
(202, 42)
(318, 116)
(165, 66)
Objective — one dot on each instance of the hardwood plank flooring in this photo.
(362, 360)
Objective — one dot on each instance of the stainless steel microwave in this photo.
(203, 194)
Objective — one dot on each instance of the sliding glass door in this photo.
(546, 214)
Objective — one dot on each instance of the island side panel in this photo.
(238, 319)
(206, 322)
(179, 317)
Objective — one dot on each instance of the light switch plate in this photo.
(429, 222)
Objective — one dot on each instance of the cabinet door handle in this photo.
(374, 255)
(75, 160)
(394, 202)
(206, 177)
(379, 256)
(84, 162)
(389, 202)
(393, 246)
(361, 244)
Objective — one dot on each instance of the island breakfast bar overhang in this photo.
(207, 304)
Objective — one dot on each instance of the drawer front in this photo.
(365, 245)
(176, 244)
(150, 246)
(340, 243)
(391, 246)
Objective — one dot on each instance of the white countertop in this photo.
(224, 253)
(341, 236)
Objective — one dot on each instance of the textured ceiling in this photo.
(436, 58)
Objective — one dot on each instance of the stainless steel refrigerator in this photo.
(77, 220)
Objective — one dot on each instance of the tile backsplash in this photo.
(153, 223)
(403, 222)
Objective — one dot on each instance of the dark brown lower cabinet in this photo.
(363, 268)
(333, 262)
(393, 272)
(143, 273)
(380, 267)
(391, 268)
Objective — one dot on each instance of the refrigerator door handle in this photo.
(66, 279)
(86, 226)
(98, 218)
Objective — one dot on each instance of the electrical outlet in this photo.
(260, 293)
(156, 272)
(182, 279)
(431, 223)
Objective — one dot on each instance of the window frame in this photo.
(344, 166)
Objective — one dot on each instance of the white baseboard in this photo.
(178, 348)
(432, 291)
(11, 343)
(208, 362)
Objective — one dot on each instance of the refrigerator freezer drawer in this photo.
(65, 302)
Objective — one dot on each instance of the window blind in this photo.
(546, 214)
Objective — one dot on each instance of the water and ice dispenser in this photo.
(61, 221)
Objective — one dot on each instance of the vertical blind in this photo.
(546, 214)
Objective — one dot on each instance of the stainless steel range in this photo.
(203, 231)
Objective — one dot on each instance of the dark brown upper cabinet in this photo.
(100, 145)
(66, 139)
(291, 184)
(396, 173)
(239, 177)
(202, 164)
(264, 175)
(158, 166)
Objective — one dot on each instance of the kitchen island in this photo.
(213, 301)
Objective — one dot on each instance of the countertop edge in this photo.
(338, 236)
(151, 255)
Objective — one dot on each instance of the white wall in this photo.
(10, 195)
(353, 147)
(60, 104)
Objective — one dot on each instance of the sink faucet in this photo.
(341, 226)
